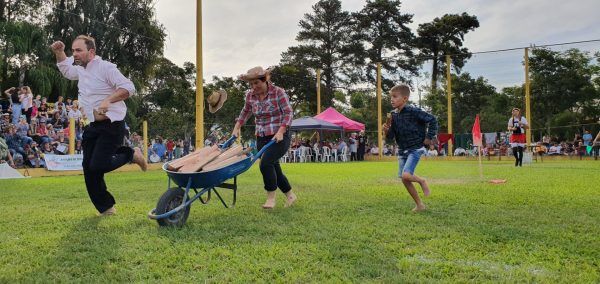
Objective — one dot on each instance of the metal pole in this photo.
(379, 130)
(145, 139)
(527, 99)
(449, 95)
(318, 91)
(199, 77)
(71, 136)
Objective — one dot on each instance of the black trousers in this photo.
(270, 168)
(102, 153)
(361, 153)
(518, 153)
(28, 114)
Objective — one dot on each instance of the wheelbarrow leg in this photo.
(230, 186)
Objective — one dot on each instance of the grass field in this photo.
(352, 224)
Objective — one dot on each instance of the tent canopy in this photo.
(310, 123)
(333, 116)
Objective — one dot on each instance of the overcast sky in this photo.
(240, 34)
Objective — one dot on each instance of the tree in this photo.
(301, 86)
(126, 32)
(445, 36)
(327, 41)
(563, 82)
(390, 41)
(168, 102)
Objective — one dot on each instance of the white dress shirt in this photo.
(98, 80)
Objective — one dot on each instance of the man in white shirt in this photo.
(102, 91)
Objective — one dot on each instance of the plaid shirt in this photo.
(410, 127)
(270, 114)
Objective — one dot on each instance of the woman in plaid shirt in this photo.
(273, 116)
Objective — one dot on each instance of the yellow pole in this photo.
(527, 99)
(145, 139)
(449, 95)
(379, 130)
(71, 136)
(199, 77)
(318, 91)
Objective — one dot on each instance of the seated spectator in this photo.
(5, 156)
(374, 150)
(554, 150)
(16, 143)
(432, 152)
(33, 156)
(460, 152)
(78, 148)
(4, 123)
(23, 130)
(48, 149)
(61, 144)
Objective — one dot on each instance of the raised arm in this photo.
(65, 65)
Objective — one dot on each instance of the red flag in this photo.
(476, 132)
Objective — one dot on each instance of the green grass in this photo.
(352, 223)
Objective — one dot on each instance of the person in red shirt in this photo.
(170, 148)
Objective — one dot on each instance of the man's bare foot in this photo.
(425, 188)
(269, 204)
(291, 198)
(419, 208)
(138, 158)
(109, 212)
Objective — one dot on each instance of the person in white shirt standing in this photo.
(517, 124)
(27, 102)
(102, 91)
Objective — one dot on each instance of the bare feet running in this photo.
(419, 208)
(269, 204)
(425, 187)
(291, 198)
(138, 158)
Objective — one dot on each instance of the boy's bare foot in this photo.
(419, 208)
(138, 158)
(425, 188)
(291, 198)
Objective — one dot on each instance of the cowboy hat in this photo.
(216, 100)
(255, 73)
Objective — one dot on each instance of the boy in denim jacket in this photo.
(412, 129)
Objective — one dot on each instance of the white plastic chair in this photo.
(344, 156)
(326, 157)
(318, 155)
(285, 158)
(305, 155)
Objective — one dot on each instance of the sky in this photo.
(241, 34)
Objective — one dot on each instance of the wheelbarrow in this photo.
(173, 207)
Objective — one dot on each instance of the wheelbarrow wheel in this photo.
(170, 200)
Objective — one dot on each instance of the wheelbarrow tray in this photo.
(211, 178)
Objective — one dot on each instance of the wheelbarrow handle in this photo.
(228, 143)
(262, 151)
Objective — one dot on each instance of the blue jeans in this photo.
(16, 113)
(408, 160)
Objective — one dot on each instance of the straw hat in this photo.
(216, 100)
(255, 73)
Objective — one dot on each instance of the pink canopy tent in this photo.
(333, 116)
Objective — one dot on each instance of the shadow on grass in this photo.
(85, 254)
